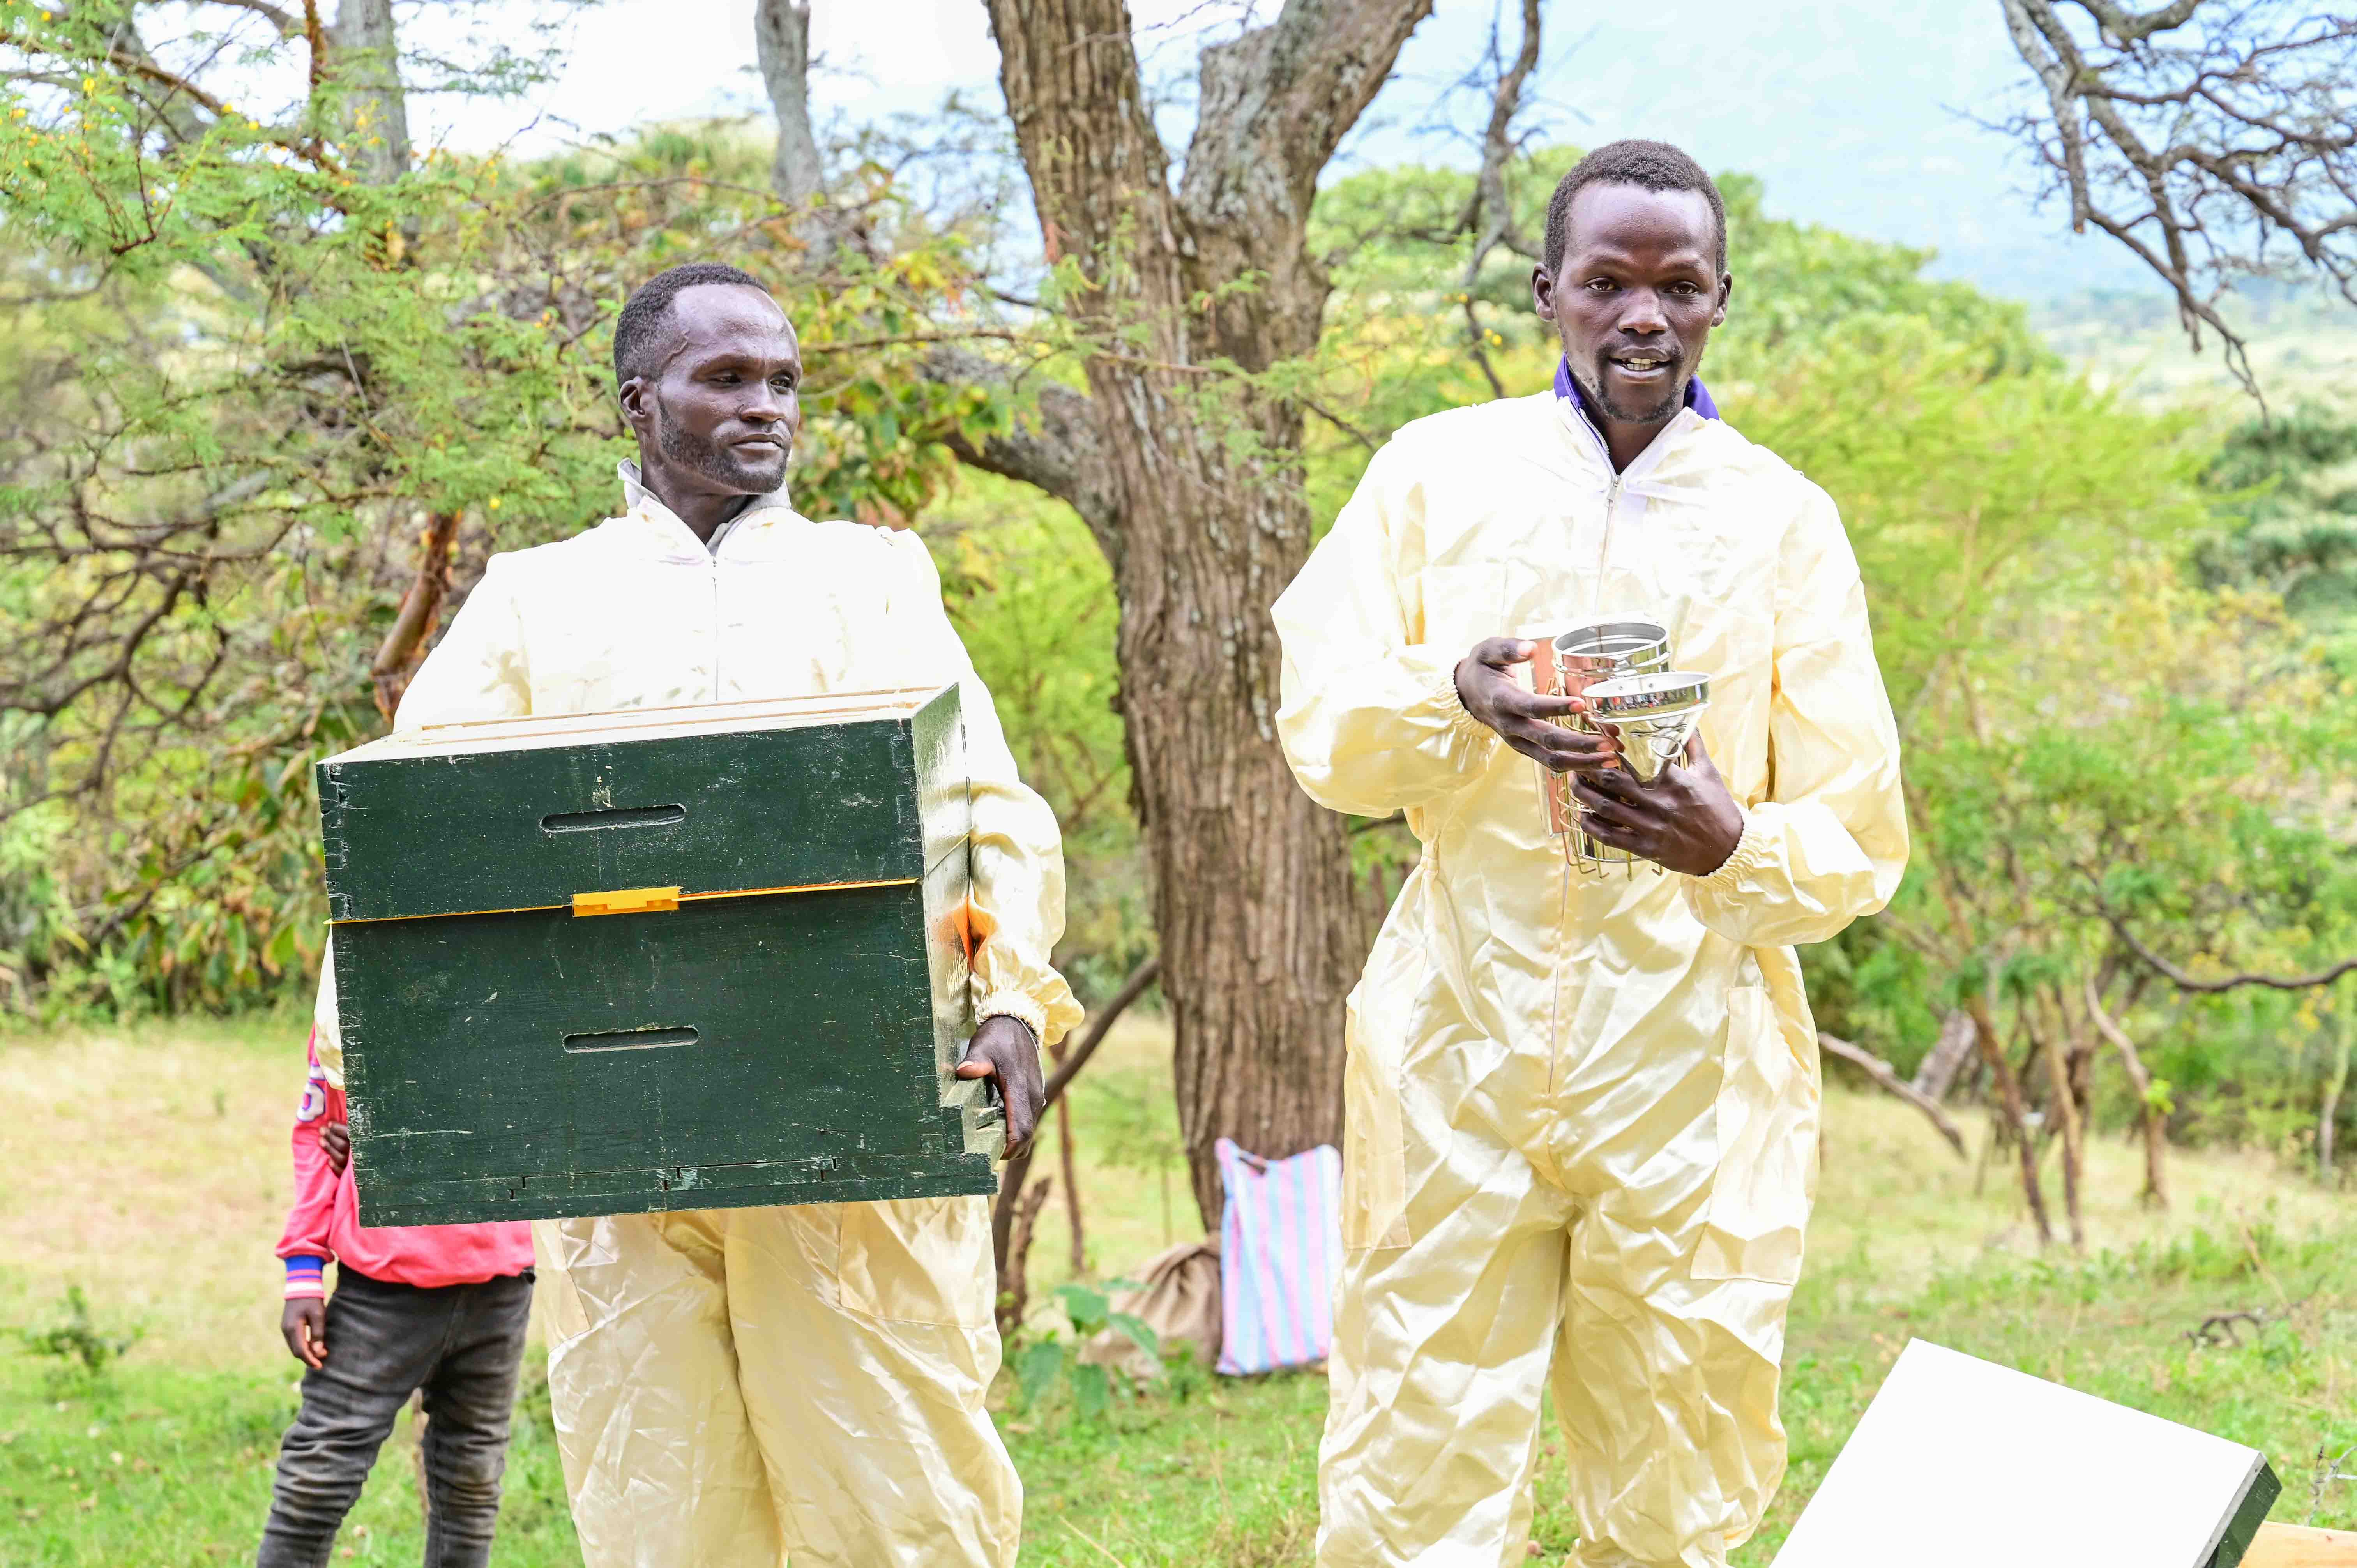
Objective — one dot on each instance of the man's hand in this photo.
(1522, 716)
(336, 1142)
(1684, 820)
(305, 1325)
(1003, 1049)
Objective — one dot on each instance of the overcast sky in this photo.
(1854, 111)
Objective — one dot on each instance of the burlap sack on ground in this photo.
(1178, 1297)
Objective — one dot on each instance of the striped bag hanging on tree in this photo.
(1280, 1246)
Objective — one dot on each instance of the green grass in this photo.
(1908, 1242)
(171, 1465)
(1229, 1476)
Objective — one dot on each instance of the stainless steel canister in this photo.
(1569, 661)
(1654, 714)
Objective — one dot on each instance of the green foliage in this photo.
(80, 1345)
(2087, 733)
(1046, 1360)
(2287, 519)
(236, 378)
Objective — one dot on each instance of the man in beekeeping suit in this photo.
(735, 1386)
(1582, 1108)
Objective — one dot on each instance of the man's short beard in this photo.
(1593, 390)
(712, 460)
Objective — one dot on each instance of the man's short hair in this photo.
(1652, 166)
(648, 307)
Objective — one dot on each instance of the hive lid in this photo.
(640, 809)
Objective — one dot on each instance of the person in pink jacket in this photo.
(440, 1308)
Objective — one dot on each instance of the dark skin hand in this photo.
(305, 1325)
(1633, 299)
(1522, 716)
(304, 1322)
(1685, 820)
(1003, 1049)
(716, 419)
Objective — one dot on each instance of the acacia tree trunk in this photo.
(1252, 888)
(2063, 1103)
(2015, 1111)
(2334, 1083)
(2155, 1124)
(1252, 896)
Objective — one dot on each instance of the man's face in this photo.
(722, 408)
(1635, 296)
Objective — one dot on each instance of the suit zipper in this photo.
(713, 695)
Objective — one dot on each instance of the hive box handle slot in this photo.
(613, 817)
(632, 1039)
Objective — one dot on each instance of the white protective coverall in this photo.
(1581, 1113)
(736, 1385)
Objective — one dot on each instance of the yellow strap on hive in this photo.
(627, 901)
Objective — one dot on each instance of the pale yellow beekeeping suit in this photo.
(1581, 1113)
(736, 1385)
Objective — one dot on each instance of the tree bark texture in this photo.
(2335, 1083)
(1938, 1073)
(2155, 1125)
(782, 43)
(1068, 1159)
(2062, 1105)
(2015, 1111)
(365, 55)
(1203, 518)
(421, 608)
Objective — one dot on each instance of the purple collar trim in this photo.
(1697, 395)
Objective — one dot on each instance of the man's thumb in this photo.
(970, 1068)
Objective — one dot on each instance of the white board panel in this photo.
(1959, 1463)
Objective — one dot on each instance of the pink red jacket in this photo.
(326, 1220)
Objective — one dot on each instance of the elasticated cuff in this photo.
(1017, 1006)
(1468, 738)
(1750, 855)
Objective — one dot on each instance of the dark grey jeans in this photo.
(461, 1345)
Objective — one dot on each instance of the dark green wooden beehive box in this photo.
(769, 1013)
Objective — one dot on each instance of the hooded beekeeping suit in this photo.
(734, 1386)
(1581, 1110)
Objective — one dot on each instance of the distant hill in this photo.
(2303, 345)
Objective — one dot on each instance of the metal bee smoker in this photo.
(1569, 661)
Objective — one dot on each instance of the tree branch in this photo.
(2198, 153)
(289, 25)
(1280, 99)
(1077, 1057)
(1887, 1078)
(420, 606)
(2185, 981)
(1056, 449)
